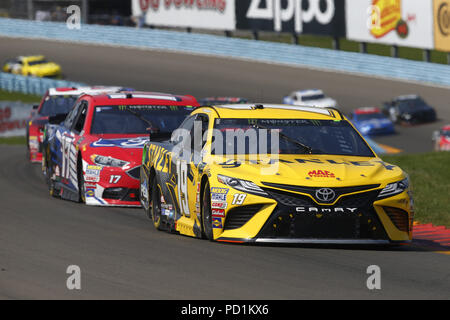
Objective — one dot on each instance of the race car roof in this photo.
(82, 90)
(267, 111)
(31, 58)
(309, 92)
(134, 97)
(367, 110)
(407, 97)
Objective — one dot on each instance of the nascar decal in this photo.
(219, 194)
(92, 173)
(90, 193)
(218, 213)
(217, 223)
(218, 205)
(121, 143)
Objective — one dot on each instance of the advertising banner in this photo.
(441, 14)
(202, 14)
(324, 17)
(406, 23)
(13, 118)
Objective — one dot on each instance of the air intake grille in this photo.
(239, 216)
(135, 173)
(289, 199)
(398, 217)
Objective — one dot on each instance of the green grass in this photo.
(430, 178)
(17, 96)
(347, 45)
(13, 141)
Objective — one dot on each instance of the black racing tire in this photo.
(48, 177)
(81, 185)
(206, 213)
(156, 205)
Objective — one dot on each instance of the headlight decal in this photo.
(241, 185)
(108, 161)
(393, 189)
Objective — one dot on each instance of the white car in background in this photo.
(310, 98)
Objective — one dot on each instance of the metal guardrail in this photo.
(206, 44)
(31, 85)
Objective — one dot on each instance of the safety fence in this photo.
(13, 118)
(206, 44)
(32, 85)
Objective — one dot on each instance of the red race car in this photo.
(55, 101)
(95, 155)
(441, 139)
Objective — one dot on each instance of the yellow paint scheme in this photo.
(280, 169)
(30, 66)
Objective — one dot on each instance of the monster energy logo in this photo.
(122, 108)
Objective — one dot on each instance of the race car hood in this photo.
(312, 170)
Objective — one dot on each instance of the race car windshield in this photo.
(57, 105)
(35, 63)
(313, 97)
(137, 119)
(411, 104)
(295, 136)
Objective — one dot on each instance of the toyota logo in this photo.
(325, 194)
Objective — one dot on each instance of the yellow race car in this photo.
(274, 173)
(36, 66)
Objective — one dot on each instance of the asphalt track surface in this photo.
(122, 256)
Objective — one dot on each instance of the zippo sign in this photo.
(406, 23)
(203, 14)
(325, 17)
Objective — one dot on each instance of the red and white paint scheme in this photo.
(55, 101)
(95, 156)
(441, 139)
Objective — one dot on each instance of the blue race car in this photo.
(371, 121)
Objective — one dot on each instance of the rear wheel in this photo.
(156, 205)
(48, 176)
(206, 213)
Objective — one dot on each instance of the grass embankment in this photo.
(352, 46)
(430, 178)
(16, 96)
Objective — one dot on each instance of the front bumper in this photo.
(359, 218)
(112, 187)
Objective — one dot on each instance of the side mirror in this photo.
(35, 107)
(57, 119)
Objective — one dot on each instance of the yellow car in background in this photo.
(36, 66)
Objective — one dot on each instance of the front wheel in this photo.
(81, 185)
(156, 205)
(206, 213)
